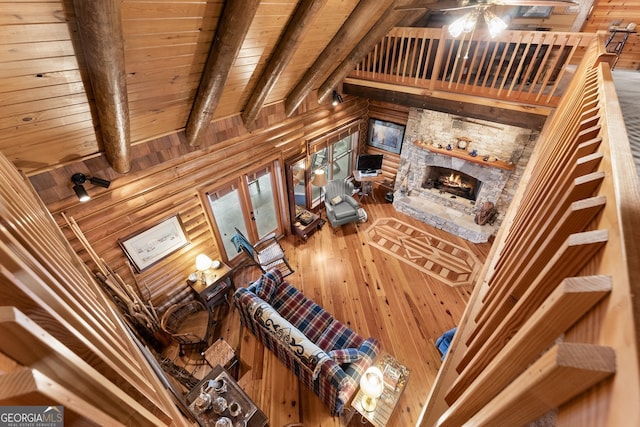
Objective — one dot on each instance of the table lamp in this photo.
(371, 384)
(203, 263)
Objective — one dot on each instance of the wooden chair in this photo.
(190, 324)
(266, 253)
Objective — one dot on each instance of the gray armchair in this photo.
(342, 208)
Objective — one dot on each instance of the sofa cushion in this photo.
(304, 314)
(338, 336)
(345, 355)
(265, 287)
(336, 200)
(344, 210)
(310, 356)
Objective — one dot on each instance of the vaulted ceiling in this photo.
(81, 77)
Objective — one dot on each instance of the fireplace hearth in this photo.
(453, 182)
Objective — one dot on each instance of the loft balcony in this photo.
(519, 70)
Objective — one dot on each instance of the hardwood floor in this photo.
(371, 291)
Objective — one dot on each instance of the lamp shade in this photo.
(203, 262)
(372, 385)
(319, 178)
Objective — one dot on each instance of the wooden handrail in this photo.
(573, 221)
(530, 67)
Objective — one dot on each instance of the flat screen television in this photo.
(369, 162)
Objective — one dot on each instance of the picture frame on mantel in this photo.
(385, 135)
(150, 246)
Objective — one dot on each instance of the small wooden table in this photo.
(304, 230)
(394, 385)
(214, 293)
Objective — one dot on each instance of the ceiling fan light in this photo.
(470, 22)
(457, 27)
(494, 24)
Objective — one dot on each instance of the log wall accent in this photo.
(168, 178)
(562, 272)
(67, 344)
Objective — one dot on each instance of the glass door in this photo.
(250, 204)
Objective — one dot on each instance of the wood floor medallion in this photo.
(441, 259)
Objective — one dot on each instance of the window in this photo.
(335, 157)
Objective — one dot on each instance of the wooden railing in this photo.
(61, 341)
(522, 66)
(553, 321)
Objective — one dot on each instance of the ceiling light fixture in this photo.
(78, 180)
(467, 23)
(337, 99)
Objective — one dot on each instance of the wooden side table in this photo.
(304, 230)
(395, 376)
(214, 293)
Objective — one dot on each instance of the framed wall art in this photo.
(155, 243)
(534, 11)
(385, 135)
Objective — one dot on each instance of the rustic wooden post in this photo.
(395, 13)
(297, 26)
(234, 25)
(100, 30)
(365, 12)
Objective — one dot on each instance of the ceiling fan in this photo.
(495, 25)
(468, 4)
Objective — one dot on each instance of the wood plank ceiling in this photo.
(81, 77)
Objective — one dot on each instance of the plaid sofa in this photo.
(325, 354)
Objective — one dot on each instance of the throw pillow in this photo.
(336, 200)
(345, 355)
(265, 288)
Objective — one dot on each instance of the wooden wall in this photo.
(606, 11)
(169, 178)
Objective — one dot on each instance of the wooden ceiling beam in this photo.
(397, 12)
(100, 32)
(234, 25)
(366, 11)
(306, 11)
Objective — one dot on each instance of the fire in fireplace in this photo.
(456, 183)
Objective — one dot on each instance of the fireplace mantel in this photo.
(465, 155)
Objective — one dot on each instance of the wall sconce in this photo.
(371, 384)
(79, 179)
(337, 99)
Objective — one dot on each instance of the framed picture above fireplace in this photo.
(385, 135)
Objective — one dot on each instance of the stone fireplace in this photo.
(443, 185)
